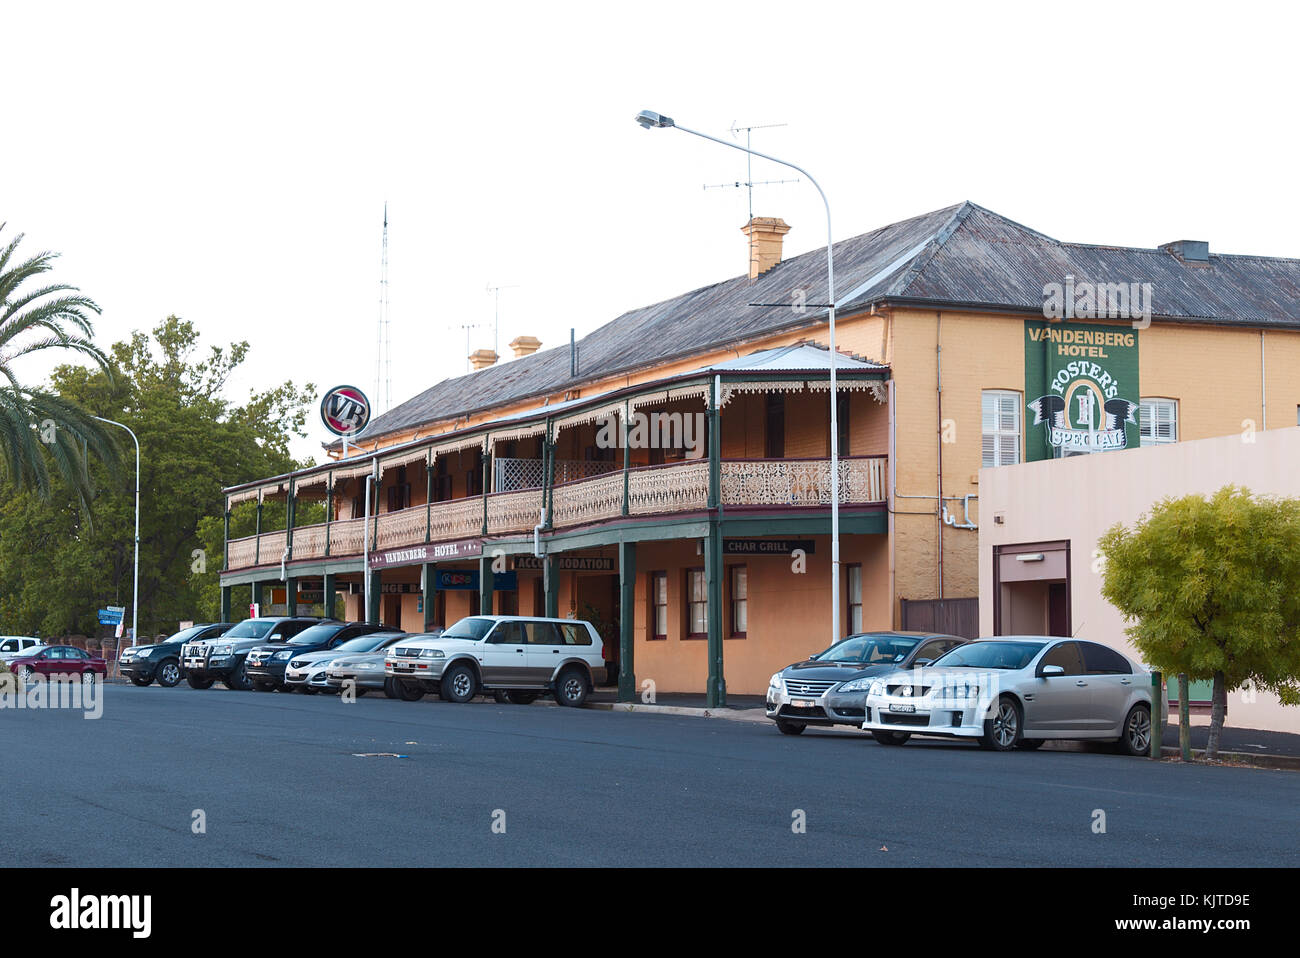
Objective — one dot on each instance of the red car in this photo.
(60, 660)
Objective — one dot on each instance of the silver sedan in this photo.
(1018, 692)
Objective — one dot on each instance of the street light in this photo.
(650, 120)
(135, 595)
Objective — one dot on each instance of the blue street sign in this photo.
(111, 616)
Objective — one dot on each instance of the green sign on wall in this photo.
(1081, 389)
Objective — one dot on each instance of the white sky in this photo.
(229, 162)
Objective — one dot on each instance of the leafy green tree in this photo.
(56, 569)
(1211, 587)
(39, 428)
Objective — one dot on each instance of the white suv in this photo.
(12, 646)
(519, 656)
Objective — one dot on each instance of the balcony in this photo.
(668, 489)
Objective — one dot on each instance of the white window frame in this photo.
(1147, 406)
(1003, 439)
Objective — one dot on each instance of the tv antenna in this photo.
(384, 346)
(749, 182)
(469, 328)
(496, 316)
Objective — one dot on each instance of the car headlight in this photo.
(775, 681)
(222, 650)
(433, 654)
(961, 692)
(369, 667)
(858, 685)
(876, 688)
(296, 665)
(281, 656)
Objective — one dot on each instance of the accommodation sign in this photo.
(568, 563)
(1081, 389)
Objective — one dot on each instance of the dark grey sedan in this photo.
(811, 692)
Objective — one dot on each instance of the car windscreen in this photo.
(362, 643)
(990, 655)
(870, 649)
(185, 635)
(475, 627)
(317, 634)
(251, 629)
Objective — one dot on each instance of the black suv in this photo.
(162, 661)
(223, 658)
(266, 664)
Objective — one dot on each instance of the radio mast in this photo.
(383, 344)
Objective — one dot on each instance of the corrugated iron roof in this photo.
(962, 255)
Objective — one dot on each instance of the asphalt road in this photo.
(290, 780)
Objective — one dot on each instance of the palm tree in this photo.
(35, 422)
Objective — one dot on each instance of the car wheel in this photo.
(1136, 739)
(458, 684)
(26, 673)
(141, 680)
(790, 728)
(1002, 729)
(237, 679)
(88, 679)
(168, 673)
(890, 738)
(1029, 744)
(389, 689)
(197, 683)
(408, 691)
(571, 688)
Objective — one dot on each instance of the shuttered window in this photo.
(1159, 421)
(1001, 427)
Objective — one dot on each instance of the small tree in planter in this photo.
(1211, 587)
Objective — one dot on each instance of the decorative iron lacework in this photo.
(240, 552)
(245, 495)
(456, 519)
(879, 391)
(681, 487)
(405, 459)
(731, 389)
(589, 415)
(514, 511)
(309, 541)
(589, 500)
(403, 527)
(523, 432)
(671, 395)
(799, 483)
(347, 536)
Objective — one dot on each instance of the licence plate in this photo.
(802, 703)
(902, 708)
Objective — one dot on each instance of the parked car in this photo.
(1018, 691)
(830, 688)
(60, 660)
(521, 656)
(351, 662)
(12, 646)
(142, 664)
(268, 665)
(224, 658)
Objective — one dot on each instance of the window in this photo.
(775, 440)
(1158, 421)
(658, 605)
(697, 604)
(1100, 660)
(1067, 656)
(574, 634)
(1001, 426)
(542, 633)
(399, 495)
(855, 598)
(739, 600)
(842, 422)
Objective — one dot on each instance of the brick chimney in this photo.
(764, 234)
(482, 358)
(525, 345)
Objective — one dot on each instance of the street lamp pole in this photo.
(135, 591)
(650, 120)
